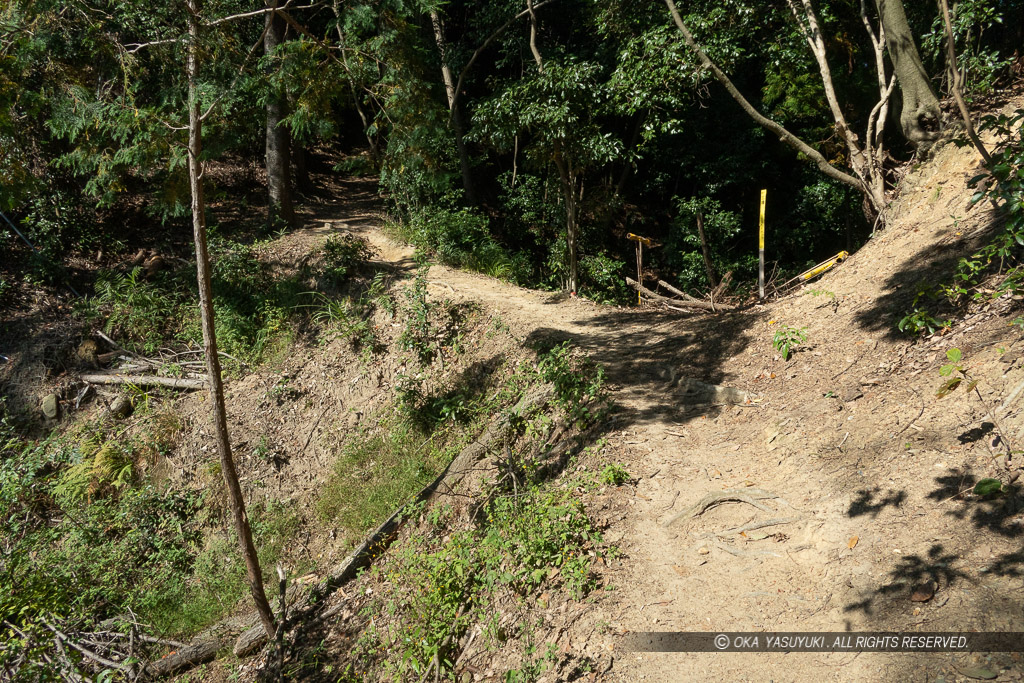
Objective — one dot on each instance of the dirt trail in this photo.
(863, 473)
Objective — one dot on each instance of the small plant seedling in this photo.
(788, 338)
(614, 474)
(955, 372)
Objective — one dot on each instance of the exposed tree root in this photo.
(748, 496)
(758, 525)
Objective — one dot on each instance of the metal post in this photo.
(760, 247)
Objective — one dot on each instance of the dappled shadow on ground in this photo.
(921, 273)
(37, 355)
(914, 578)
(871, 502)
(917, 576)
(647, 353)
(997, 515)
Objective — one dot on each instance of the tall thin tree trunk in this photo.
(874, 197)
(706, 252)
(571, 226)
(634, 139)
(300, 166)
(278, 144)
(227, 463)
(955, 84)
(453, 106)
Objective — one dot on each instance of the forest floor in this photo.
(858, 479)
(865, 472)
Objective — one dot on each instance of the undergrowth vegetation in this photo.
(380, 467)
(995, 269)
(93, 530)
(525, 532)
(259, 308)
(89, 535)
(449, 577)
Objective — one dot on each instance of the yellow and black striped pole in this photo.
(760, 248)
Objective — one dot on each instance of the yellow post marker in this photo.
(760, 246)
(640, 242)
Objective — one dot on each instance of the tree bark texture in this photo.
(568, 179)
(706, 252)
(195, 172)
(300, 166)
(921, 119)
(453, 106)
(278, 145)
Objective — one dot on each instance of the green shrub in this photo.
(460, 238)
(578, 382)
(442, 585)
(787, 338)
(614, 474)
(343, 255)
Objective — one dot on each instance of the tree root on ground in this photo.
(748, 496)
(758, 525)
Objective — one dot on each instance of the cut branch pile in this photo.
(682, 303)
(76, 654)
(189, 368)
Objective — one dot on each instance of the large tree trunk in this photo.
(455, 109)
(921, 118)
(280, 207)
(227, 463)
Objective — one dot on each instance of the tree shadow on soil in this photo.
(644, 352)
(870, 502)
(650, 353)
(919, 277)
(916, 577)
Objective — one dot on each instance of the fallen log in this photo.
(378, 542)
(146, 381)
(185, 658)
(678, 292)
(664, 300)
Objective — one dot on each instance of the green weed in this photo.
(441, 585)
(788, 338)
(578, 382)
(614, 474)
(376, 472)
